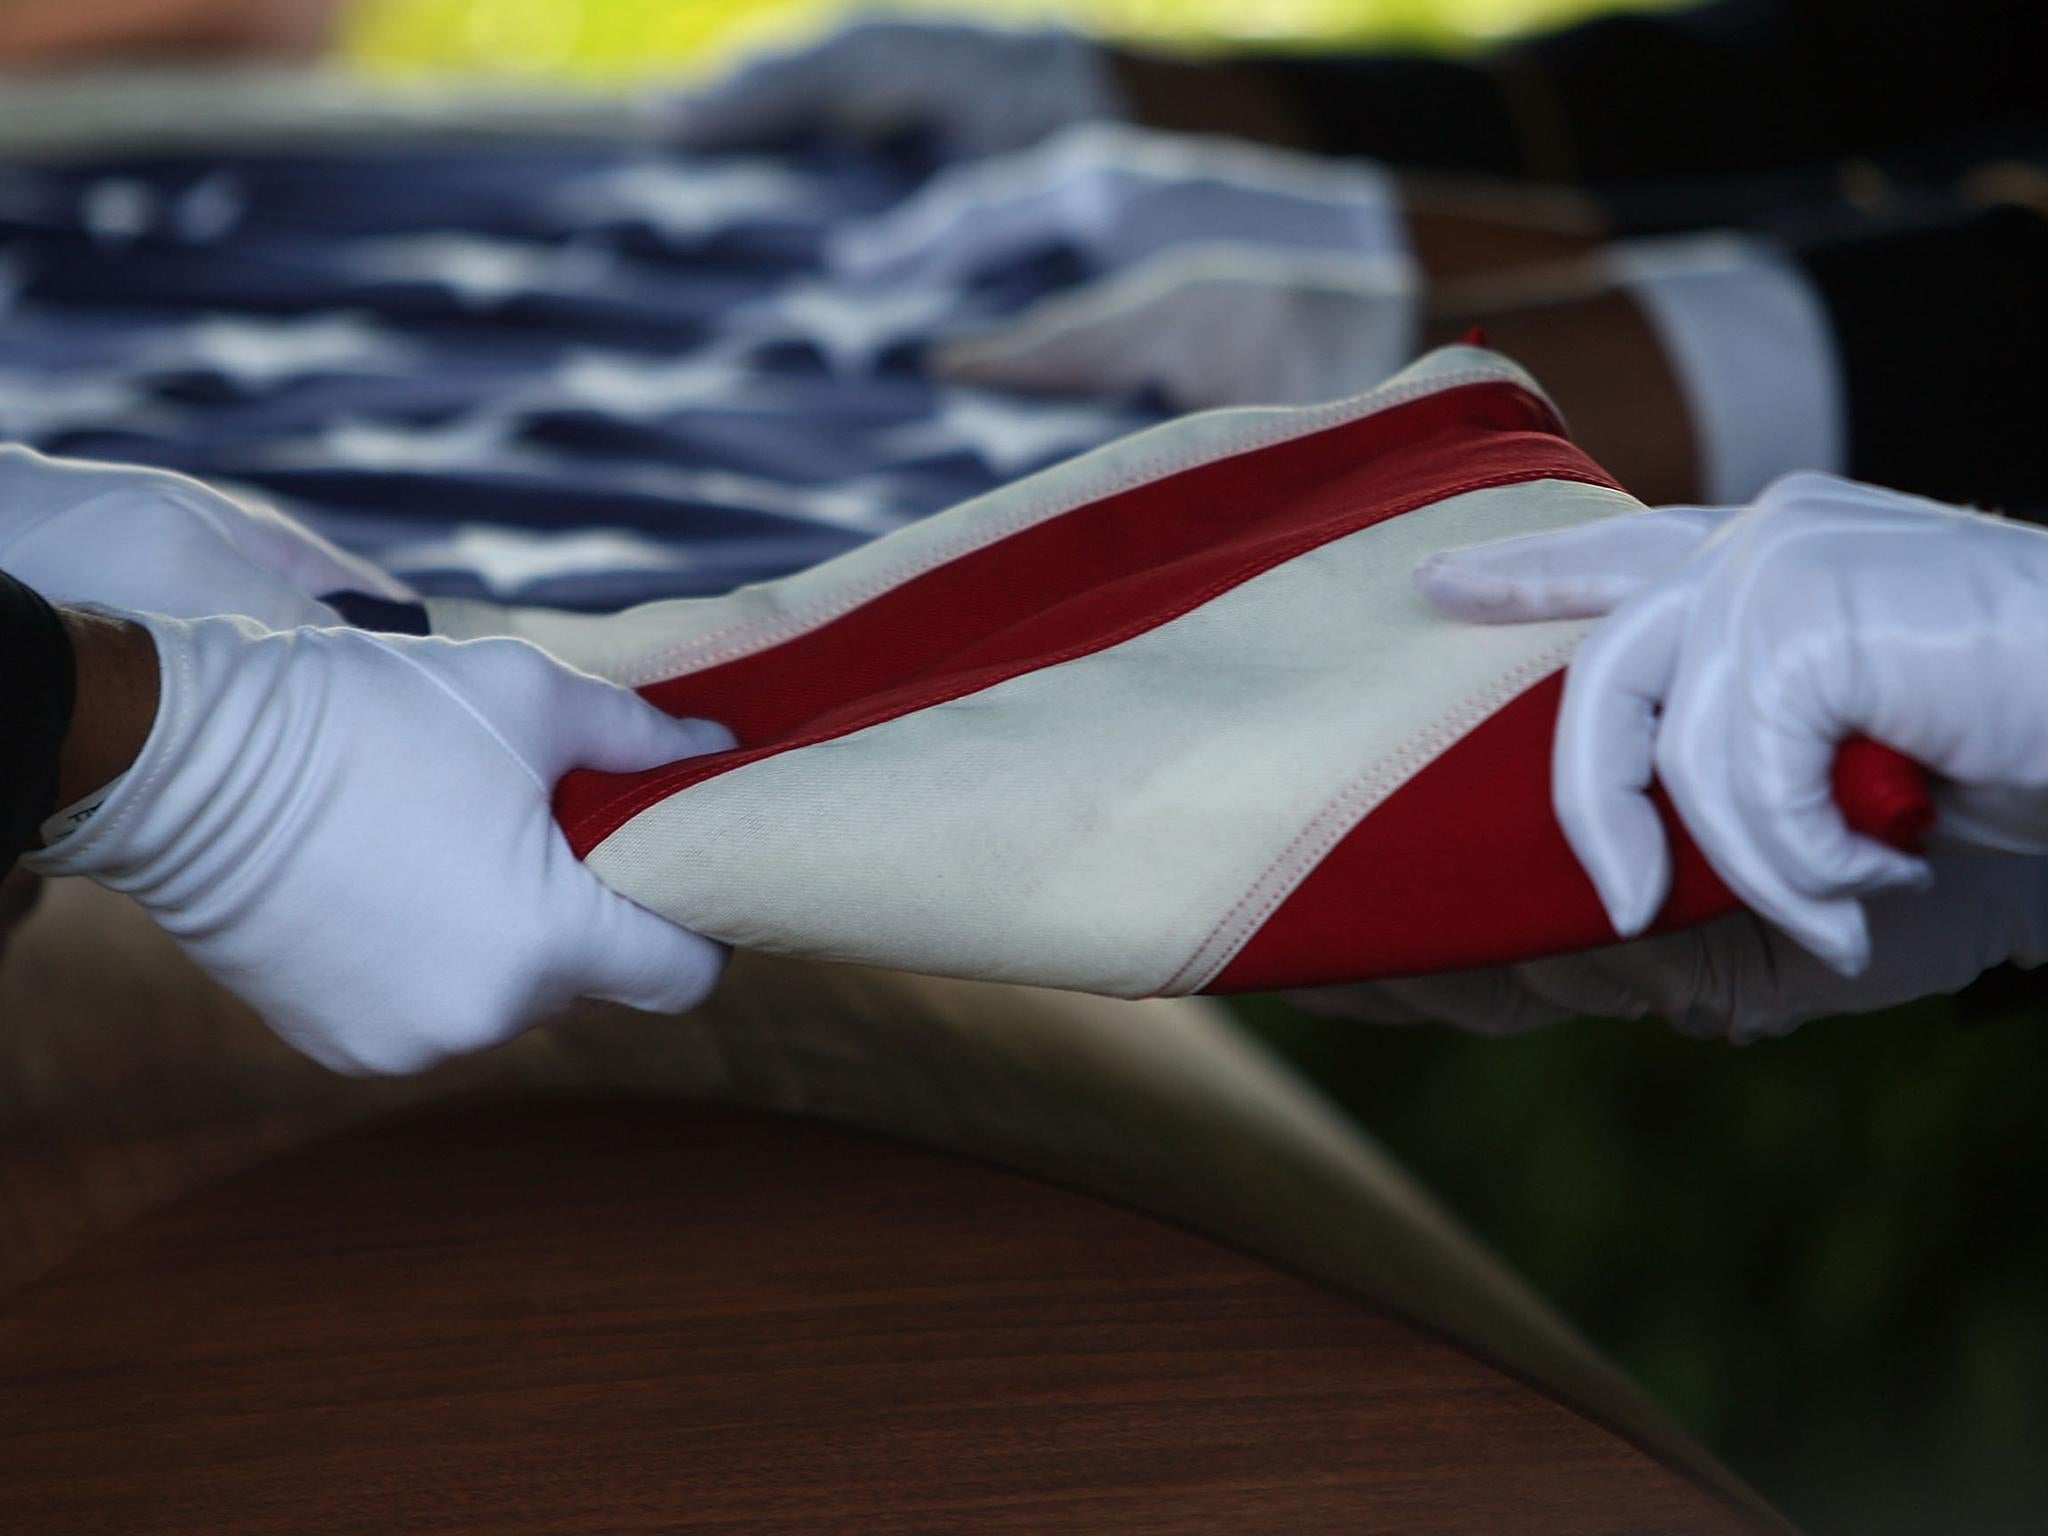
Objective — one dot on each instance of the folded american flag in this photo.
(1167, 718)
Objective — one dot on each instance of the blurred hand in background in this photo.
(975, 89)
(1113, 195)
(1210, 326)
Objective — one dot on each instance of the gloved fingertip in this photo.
(1618, 839)
(1836, 934)
(1631, 906)
(701, 738)
(1819, 857)
(1874, 869)
(1634, 880)
(1454, 587)
(615, 730)
(664, 739)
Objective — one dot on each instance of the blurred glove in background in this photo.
(976, 90)
(1111, 195)
(127, 537)
(1210, 326)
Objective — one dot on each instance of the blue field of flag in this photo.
(579, 374)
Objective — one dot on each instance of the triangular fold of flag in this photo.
(1167, 718)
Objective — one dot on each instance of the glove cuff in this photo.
(1754, 353)
(177, 825)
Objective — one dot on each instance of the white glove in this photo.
(352, 832)
(82, 532)
(979, 90)
(1210, 326)
(1739, 978)
(1740, 647)
(1115, 195)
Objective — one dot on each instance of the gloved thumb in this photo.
(635, 957)
(623, 734)
(628, 954)
(1574, 573)
(613, 730)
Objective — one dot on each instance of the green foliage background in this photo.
(1825, 1254)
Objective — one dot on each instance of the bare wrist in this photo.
(116, 701)
(1597, 355)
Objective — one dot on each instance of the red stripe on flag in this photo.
(1465, 865)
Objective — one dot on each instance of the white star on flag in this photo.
(210, 207)
(118, 208)
(483, 273)
(852, 328)
(684, 202)
(34, 406)
(378, 445)
(1009, 434)
(629, 386)
(508, 560)
(853, 505)
(256, 352)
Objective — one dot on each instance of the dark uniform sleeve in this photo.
(1938, 330)
(37, 683)
(1731, 88)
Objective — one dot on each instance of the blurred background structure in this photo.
(625, 40)
(1824, 1254)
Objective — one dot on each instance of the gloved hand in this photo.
(1739, 978)
(1740, 647)
(1210, 326)
(81, 532)
(352, 832)
(979, 90)
(1113, 196)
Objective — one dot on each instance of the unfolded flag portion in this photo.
(1168, 718)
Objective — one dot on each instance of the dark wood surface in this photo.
(638, 1317)
(510, 1323)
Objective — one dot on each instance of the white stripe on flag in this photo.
(1097, 824)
